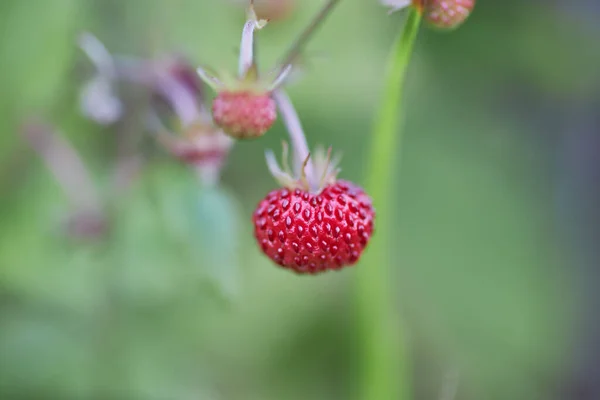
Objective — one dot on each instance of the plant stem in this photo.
(299, 44)
(385, 368)
(297, 136)
(65, 163)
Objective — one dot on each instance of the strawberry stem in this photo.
(187, 108)
(301, 41)
(297, 137)
(65, 163)
(98, 54)
(385, 374)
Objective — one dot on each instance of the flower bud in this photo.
(446, 14)
(202, 146)
(274, 10)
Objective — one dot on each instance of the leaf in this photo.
(205, 223)
(147, 268)
(216, 223)
(43, 356)
(37, 263)
(175, 239)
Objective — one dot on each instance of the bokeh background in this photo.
(497, 220)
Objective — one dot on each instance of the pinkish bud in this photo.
(274, 10)
(185, 73)
(86, 225)
(244, 114)
(446, 14)
(199, 145)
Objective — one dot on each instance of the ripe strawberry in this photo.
(312, 231)
(447, 14)
(244, 114)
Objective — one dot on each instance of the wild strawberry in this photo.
(243, 107)
(313, 230)
(447, 14)
(244, 114)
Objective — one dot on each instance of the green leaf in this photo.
(174, 238)
(37, 262)
(43, 356)
(215, 242)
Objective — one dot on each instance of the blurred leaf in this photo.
(205, 222)
(147, 266)
(43, 356)
(216, 242)
(173, 237)
(37, 262)
(155, 366)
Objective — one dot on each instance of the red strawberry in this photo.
(244, 114)
(315, 231)
(447, 14)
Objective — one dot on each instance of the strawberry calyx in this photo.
(324, 172)
(250, 81)
(247, 78)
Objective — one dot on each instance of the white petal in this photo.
(99, 102)
(396, 5)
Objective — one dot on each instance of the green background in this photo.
(179, 303)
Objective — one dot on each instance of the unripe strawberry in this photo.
(244, 114)
(243, 107)
(274, 10)
(446, 14)
(312, 230)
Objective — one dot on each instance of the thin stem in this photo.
(208, 174)
(385, 374)
(98, 54)
(65, 164)
(297, 136)
(184, 103)
(450, 384)
(301, 41)
(133, 69)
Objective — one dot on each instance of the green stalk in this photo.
(385, 365)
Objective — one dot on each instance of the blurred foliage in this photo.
(170, 305)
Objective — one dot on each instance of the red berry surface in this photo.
(310, 233)
(448, 14)
(244, 114)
